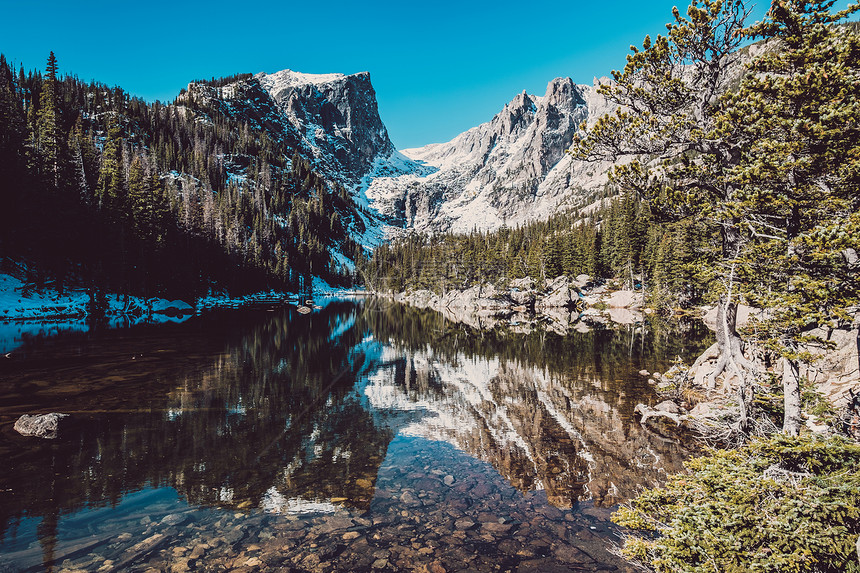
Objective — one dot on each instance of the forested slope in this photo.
(104, 190)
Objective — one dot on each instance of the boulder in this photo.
(582, 281)
(524, 298)
(743, 316)
(420, 299)
(171, 307)
(476, 297)
(837, 369)
(40, 426)
(624, 315)
(646, 413)
(559, 294)
(625, 299)
(557, 320)
(668, 406)
(526, 283)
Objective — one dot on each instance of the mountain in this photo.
(240, 185)
(330, 119)
(336, 115)
(507, 171)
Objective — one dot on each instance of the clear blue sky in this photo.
(439, 68)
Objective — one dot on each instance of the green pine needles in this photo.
(787, 504)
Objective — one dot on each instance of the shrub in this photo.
(785, 504)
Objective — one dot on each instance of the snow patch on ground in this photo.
(17, 302)
(27, 312)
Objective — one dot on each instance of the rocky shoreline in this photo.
(560, 304)
(689, 403)
(564, 304)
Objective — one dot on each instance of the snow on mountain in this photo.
(541, 432)
(331, 119)
(507, 171)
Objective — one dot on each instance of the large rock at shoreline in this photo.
(625, 299)
(171, 307)
(40, 426)
(560, 293)
(834, 372)
(838, 369)
(482, 297)
(743, 316)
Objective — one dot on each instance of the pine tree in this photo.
(800, 191)
(110, 192)
(49, 134)
(667, 121)
(13, 136)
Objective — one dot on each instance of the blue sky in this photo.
(439, 68)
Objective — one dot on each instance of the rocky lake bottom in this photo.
(421, 518)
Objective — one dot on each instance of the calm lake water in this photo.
(362, 437)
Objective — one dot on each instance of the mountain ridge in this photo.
(508, 170)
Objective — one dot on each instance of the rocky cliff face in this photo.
(511, 169)
(336, 115)
(331, 119)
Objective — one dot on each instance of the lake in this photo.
(365, 436)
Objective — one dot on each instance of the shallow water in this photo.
(362, 437)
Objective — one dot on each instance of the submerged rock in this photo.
(41, 426)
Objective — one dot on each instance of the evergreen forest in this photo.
(107, 192)
(621, 239)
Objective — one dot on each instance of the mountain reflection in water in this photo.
(293, 414)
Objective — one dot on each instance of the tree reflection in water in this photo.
(285, 412)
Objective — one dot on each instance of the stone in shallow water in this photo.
(570, 554)
(198, 551)
(495, 527)
(174, 519)
(40, 426)
(434, 567)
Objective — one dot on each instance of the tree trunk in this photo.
(730, 345)
(791, 397)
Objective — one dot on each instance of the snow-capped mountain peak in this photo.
(500, 172)
(337, 116)
(290, 78)
(509, 170)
